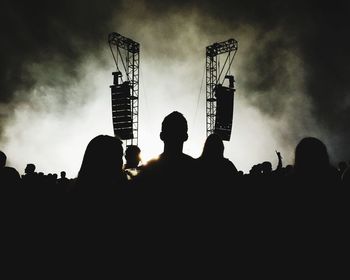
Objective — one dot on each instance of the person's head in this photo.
(311, 155)
(213, 147)
(103, 160)
(256, 169)
(289, 169)
(30, 168)
(266, 167)
(174, 133)
(174, 130)
(132, 156)
(63, 174)
(2, 159)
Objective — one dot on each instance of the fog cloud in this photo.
(56, 71)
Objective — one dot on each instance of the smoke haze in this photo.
(290, 70)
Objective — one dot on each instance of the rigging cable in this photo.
(199, 96)
(115, 59)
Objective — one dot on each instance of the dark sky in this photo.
(66, 32)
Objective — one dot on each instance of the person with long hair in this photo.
(101, 170)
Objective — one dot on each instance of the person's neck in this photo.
(173, 150)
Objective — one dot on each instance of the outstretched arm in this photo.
(279, 165)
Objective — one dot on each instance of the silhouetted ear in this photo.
(161, 135)
(185, 137)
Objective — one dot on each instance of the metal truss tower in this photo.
(125, 92)
(214, 78)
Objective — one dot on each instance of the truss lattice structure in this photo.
(126, 54)
(215, 76)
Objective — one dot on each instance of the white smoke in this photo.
(53, 126)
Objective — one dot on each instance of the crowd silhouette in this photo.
(180, 205)
(102, 170)
(175, 185)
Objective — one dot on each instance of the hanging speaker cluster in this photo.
(224, 110)
(121, 108)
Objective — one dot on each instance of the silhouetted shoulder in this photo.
(150, 163)
(164, 161)
(9, 176)
(229, 165)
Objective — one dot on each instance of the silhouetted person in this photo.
(171, 173)
(63, 181)
(312, 165)
(9, 176)
(255, 170)
(215, 171)
(266, 167)
(30, 169)
(30, 179)
(63, 176)
(101, 169)
(270, 176)
(132, 156)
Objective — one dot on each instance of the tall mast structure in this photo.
(219, 99)
(125, 88)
